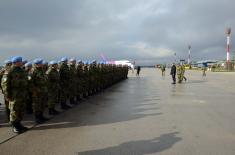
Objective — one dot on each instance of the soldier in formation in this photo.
(32, 87)
(3, 76)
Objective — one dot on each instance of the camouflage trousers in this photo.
(53, 98)
(64, 95)
(180, 77)
(17, 109)
(38, 103)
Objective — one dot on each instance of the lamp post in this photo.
(175, 57)
(228, 33)
(189, 54)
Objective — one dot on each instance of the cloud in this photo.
(146, 31)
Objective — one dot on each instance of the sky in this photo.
(145, 31)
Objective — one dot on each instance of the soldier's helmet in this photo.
(52, 63)
(64, 59)
(28, 64)
(38, 61)
(16, 59)
(7, 62)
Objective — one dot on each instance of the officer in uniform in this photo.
(3, 75)
(53, 87)
(39, 89)
(65, 80)
(15, 90)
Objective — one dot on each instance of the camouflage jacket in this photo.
(15, 83)
(65, 77)
(53, 80)
(39, 81)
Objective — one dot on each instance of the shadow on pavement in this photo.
(121, 103)
(141, 147)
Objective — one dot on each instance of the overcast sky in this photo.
(147, 31)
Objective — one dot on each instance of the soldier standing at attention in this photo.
(73, 82)
(53, 87)
(15, 90)
(28, 68)
(79, 80)
(39, 89)
(3, 77)
(65, 80)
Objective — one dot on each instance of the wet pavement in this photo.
(146, 115)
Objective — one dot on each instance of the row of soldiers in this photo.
(33, 86)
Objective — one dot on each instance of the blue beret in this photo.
(80, 61)
(16, 59)
(25, 61)
(72, 59)
(64, 59)
(52, 62)
(28, 64)
(44, 62)
(7, 62)
(37, 61)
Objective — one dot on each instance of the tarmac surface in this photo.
(139, 116)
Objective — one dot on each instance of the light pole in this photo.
(175, 56)
(189, 54)
(228, 33)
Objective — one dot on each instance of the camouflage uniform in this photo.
(3, 76)
(73, 83)
(180, 73)
(86, 80)
(65, 80)
(29, 90)
(79, 81)
(53, 88)
(15, 90)
(39, 89)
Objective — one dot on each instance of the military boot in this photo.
(65, 106)
(23, 128)
(38, 119)
(52, 111)
(16, 128)
(72, 101)
(78, 98)
(44, 119)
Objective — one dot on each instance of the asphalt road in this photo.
(146, 115)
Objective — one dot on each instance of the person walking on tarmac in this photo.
(183, 72)
(173, 73)
(204, 68)
(180, 74)
(163, 69)
(138, 71)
